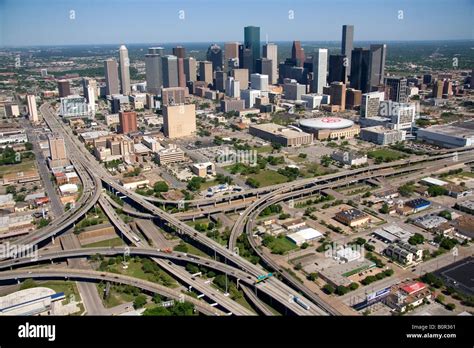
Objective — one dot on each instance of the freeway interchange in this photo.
(281, 289)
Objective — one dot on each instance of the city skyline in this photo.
(76, 24)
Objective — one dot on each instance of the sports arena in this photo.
(330, 127)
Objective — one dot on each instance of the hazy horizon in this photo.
(30, 23)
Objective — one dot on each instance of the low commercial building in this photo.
(339, 274)
(203, 169)
(134, 182)
(429, 222)
(21, 177)
(466, 206)
(306, 235)
(33, 301)
(352, 217)
(392, 234)
(7, 203)
(464, 226)
(280, 134)
(404, 253)
(458, 191)
(418, 204)
(349, 158)
(381, 135)
(172, 154)
(12, 136)
(294, 224)
(68, 189)
(405, 295)
(13, 225)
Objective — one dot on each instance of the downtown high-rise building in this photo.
(347, 45)
(127, 121)
(397, 89)
(320, 68)
(232, 88)
(90, 85)
(153, 70)
(57, 147)
(378, 54)
(220, 78)
(179, 120)
(180, 52)
(32, 108)
(337, 68)
(297, 54)
(252, 42)
(265, 67)
(124, 70)
(359, 76)
(64, 88)
(259, 81)
(205, 72)
(190, 69)
(231, 50)
(111, 77)
(270, 51)
(246, 58)
(170, 70)
(214, 55)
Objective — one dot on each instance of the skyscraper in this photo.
(297, 54)
(124, 70)
(338, 94)
(259, 81)
(128, 121)
(205, 72)
(270, 51)
(360, 69)
(337, 68)
(111, 77)
(64, 88)
(320, 68)
(252, 42)
(57, 148)
(180, 52)
(32, 110)
(214, 55)
(347, 44)
(231, 50)
(89, 85)
(221, 77)
(398, 89)
(190, 67)
(153, 70)
(170, 71)
(377, 64)
(246, 58)
(179, 120)
(265, 67)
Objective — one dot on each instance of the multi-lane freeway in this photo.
(94, 177)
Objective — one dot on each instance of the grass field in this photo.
(105, 243)
(386, 155)
(263, 149)
(135, 270)
(16, 168)
(281, 245)
(268, 177)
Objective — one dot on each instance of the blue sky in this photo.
(48, 22)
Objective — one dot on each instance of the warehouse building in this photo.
(306, 235)
(448, 136)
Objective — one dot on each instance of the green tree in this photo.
(160, 186)
(139, 301)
